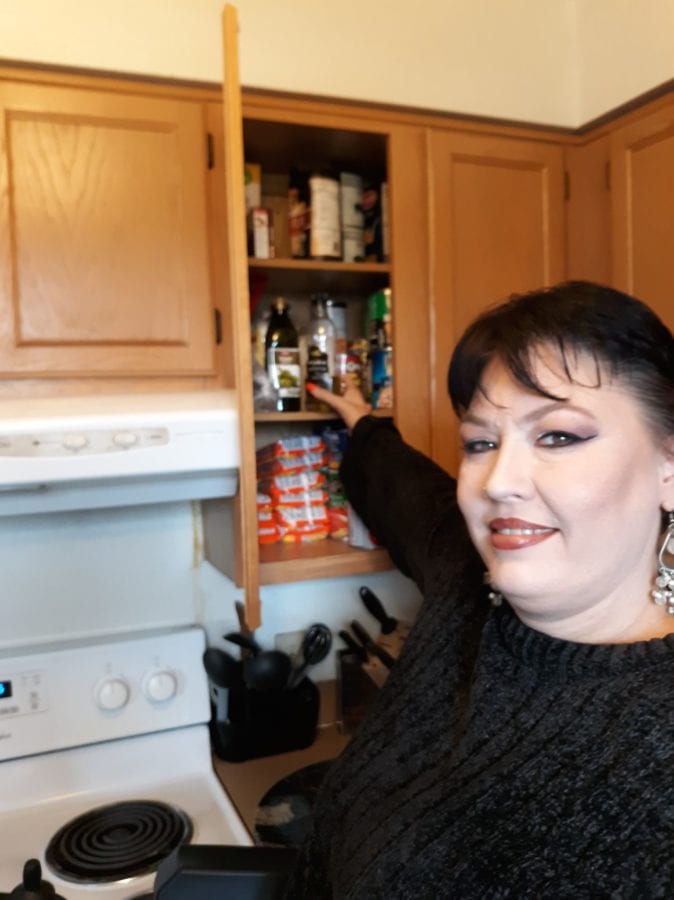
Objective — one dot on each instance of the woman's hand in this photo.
(351, 406)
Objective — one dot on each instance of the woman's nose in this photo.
(510, 474)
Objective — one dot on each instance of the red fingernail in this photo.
(311, 386)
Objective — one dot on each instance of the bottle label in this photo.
(318, 367)
(326, 237)
(283, 367)
(298, 225)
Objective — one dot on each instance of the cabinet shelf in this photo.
(281, 417)
(280, 563)
(309, 275)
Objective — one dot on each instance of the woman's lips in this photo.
(513, 534)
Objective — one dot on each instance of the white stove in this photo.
(87, 726)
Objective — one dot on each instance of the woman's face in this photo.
(562, 498)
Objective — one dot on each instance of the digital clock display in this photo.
(5, 690)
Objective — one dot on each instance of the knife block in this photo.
(264, 723)
(355, 691)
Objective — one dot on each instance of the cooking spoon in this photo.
(242, 640)
(267, 671)
(314, 648)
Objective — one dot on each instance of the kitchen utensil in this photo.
(393, 632)
(374, 606)
(267, 671)
(243, 640)
(370, 645)
(224, 672)
(353, 646)
(222, 669)
(314, 648)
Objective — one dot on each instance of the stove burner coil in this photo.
(117, 841)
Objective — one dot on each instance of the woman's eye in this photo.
(479, 445)
(558, 439)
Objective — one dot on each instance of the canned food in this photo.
(381, 365)
(348, 372)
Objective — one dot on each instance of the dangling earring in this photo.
(663, 592)
(495, 596)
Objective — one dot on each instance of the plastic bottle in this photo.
(283, 358)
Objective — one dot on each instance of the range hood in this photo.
(67, 453)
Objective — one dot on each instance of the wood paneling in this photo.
(104, 264)
(588, 212)
(497, 229)
(247, 560)
(642, 163)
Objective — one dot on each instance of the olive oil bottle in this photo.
(283, 358)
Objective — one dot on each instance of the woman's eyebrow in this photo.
(533, 415)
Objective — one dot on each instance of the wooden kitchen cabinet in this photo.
(104, 254)
(278, 132)
(497, 228)
(642, 189)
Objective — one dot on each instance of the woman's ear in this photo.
(667, 475)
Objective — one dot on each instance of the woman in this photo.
(523, 745)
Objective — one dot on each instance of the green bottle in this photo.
(283, 358)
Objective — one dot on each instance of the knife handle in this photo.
(374, 607)
(370, 645)
(353, 646)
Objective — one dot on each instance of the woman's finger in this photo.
(351, 406)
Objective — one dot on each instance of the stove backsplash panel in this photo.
(103, 571)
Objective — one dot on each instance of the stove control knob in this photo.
(125, 439)
(112, 694)
(75, 441)
(160, 686)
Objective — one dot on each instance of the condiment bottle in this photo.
(325, 231)
(320, 350)
(283, 358)
(298, 214)
(337, 312)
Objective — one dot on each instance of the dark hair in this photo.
(624, 337)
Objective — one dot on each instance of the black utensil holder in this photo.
(264, 723)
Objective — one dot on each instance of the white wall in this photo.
(77, 574)
(625, 48)
(559, 62)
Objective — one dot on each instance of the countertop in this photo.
(247, 782)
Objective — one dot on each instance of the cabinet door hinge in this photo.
(218, 326)
(210, 152)
(567, 186)
(607, 176)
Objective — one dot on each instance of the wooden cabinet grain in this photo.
(497, 227)
(104, 258)
(642, 185)
(278, 132)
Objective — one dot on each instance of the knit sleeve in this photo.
(403, 497)
(309, 879)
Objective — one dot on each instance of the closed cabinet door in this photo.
(642, 170)
(104, 266)
(497, 228)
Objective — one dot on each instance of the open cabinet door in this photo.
(247, 553)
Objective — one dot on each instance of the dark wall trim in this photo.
(667, 87)
(661, 90)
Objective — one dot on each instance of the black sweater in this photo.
(496, 761)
